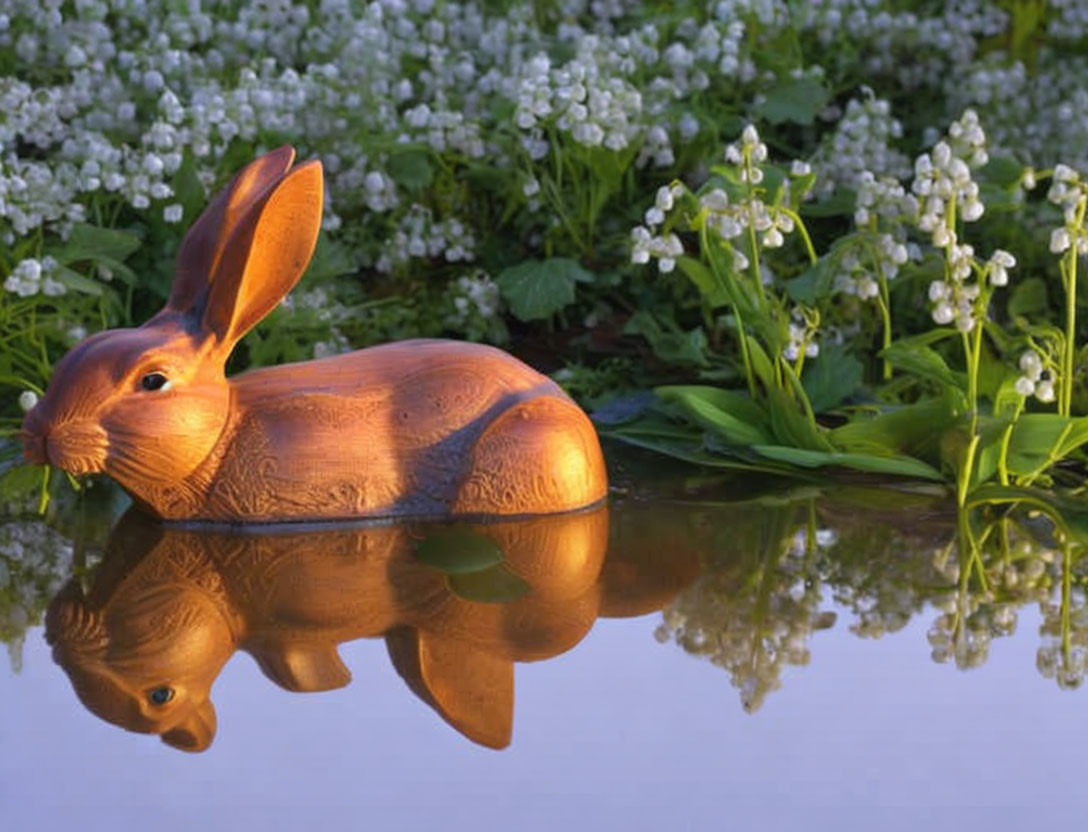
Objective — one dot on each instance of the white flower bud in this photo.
(943, 313)
(1059, 240)
(1031, 365)
(27, 400)
(1025, 386)
(1044, 391)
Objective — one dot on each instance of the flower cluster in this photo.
(31, 276)
(1069, 193)
(861, 147)
(1037, 379)
(34, 562)
(420, 235)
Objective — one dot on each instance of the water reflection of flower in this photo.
(753, 614)
(34, 561)
(753, 623)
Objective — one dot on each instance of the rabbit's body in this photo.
(415, 428)
(393, 430)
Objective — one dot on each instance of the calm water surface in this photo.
(811, 659)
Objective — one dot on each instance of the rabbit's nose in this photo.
(33, 439)
(34, 449)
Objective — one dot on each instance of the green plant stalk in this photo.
(753, 243)
(1067, 579)
(1003, 448)
(43, 500)
(1065, 403)
(704, 245)
(800, 226)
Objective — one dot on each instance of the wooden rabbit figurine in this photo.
(168, 607)
(413, 428)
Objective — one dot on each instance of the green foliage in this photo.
(537, 289)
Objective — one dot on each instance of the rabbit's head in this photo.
(147, 661)
(147, 405)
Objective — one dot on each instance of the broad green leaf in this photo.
(832, 377)
(623, 408)
(330, 259)
(1007, 400)
(457, 551)
(20, 481)
(495, 585)
(1040, 439)
(924, 362)
(841, 203)
(686, 449)
(734, 417)
(705, 281)
(410, 168)
(669, 342)
(814, 283)
(77, 282)
(900, 465)
(761, 363)
(797, 100)
(1028, 297)
(1002, 170)
(90, 242)
(790, 426)
(537, 289)
(911, 429)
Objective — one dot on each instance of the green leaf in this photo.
(20, 481)
(797, 100)
(1040, 439)
(841, 203)
(761, 363)
(495, 585)
(922, 361)
(330, 259)
(89, 242)
(77, 282)
(790, 426)
(832, 377)
(732, 416)
(537, 289)
(900, 465)
(1029, 297)
(669, 342)
(458, 551)
(410, 168)
(705, 281)
(188, 189)
(911, 429)
(813, 284)
(1002, 170)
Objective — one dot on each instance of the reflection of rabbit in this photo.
(421, 427)
(168, 607)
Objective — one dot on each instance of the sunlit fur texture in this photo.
(415, 428)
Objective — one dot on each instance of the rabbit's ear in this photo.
(203, 245)
(471, 689)
(265, 256)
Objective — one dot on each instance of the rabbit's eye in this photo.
(154, 381)
(160, 696)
